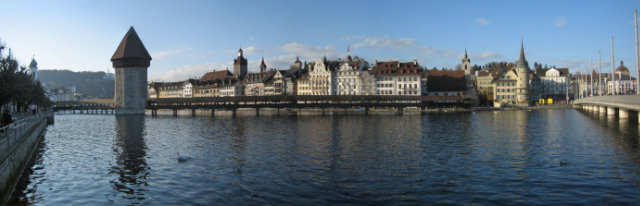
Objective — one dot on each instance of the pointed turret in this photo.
(263, 66)
(522, 62)
(465, 54)
(131, 52)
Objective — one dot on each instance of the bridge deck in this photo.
(628, 102)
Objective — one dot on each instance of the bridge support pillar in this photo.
(213, 112)
(400, 110)
(278, 111)
(611, 111)
(257, 112)
(193, 112)
(233, 112)
(175, 112)
(603, 110)
(623, 114)
(366, 111)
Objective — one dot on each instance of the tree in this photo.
(17, 85)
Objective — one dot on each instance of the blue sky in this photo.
(188, 38)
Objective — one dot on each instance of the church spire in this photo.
(465, 53)
(522, 62)
(263, 66)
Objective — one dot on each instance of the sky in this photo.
(189, 38)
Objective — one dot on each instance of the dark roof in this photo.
(441, 81)
(483, 73)
(564, 72)
(397, 68)
(33, 64)
(522, 62)
(259, 77)
(131, 52)
(262, 64)
(215, 75)
(622, 68)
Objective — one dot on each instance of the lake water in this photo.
(540, 157)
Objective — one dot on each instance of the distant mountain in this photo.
(95, 84)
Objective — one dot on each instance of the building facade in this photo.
(396, 78)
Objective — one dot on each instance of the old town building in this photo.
(396, 78)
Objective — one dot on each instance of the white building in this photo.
(395, 78)
(554, 83)
(231, 87)
(187, 88)
(347, 76)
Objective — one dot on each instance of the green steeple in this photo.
(522, 62)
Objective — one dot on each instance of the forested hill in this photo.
(87, 83)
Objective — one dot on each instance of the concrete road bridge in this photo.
(622, 106)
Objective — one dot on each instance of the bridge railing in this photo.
(11, 133)
(619, 99)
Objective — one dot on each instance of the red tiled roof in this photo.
(212, 76)
(439, 81)
(397, 68)
(131, 52)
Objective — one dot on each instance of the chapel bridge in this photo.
(305, 101)
(364, 102)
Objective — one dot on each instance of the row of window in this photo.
(383, 92)
(506, 96)
(399, 78)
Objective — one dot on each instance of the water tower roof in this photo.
(131, 52)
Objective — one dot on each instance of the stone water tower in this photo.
(131, 61)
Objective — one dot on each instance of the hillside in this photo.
(88, 83)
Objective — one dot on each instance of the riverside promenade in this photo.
(18, 141)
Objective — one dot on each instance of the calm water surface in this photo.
(504, 157)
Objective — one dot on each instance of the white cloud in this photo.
(487, 55)
(483, 22)
(427, 50)
(351, 38)
(385, 42)
(309, 52)
(561, 21)
(164, 54)
(448, 53)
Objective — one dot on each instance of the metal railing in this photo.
(12, 133)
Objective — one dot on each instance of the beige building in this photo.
(511, 87)
(303, 85)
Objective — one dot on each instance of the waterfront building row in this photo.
(516, 85)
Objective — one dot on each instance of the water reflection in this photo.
(130, 150)
(239, 145)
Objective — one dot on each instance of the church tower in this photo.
(33, 68)
(131, 61)
(240, 65)
(466, 64)
(522, 84)
(263, 66)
